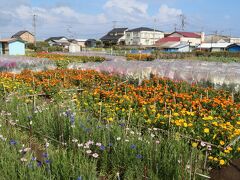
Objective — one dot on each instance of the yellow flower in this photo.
(221, 162)
(185, 124)
(227, 151)
(210, 157)
(110, 119)
(194, 144)
(238, 149)
(175, 114)
(215, 159)
(206, 130)
(222, 142)
(190, 125)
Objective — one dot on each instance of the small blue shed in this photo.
(12, 47)
(234, 48)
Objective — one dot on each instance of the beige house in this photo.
(142, 36)
(25, 36)
(192, 38)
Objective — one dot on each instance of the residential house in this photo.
(213, 38)
(142, 36)
(25, 36)
(173, 44)
(192, 38)
(233, 48)
(58, 41)
(91, 43)
(114, 37)
(12, 47)
(213, 47)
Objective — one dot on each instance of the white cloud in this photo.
(131, 10)
(168, 14)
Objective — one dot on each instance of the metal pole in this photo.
(34, 29)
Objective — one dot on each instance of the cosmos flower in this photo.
(139, 156)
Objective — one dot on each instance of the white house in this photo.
(58, 41)
(142, 36)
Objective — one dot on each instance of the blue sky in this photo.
(92, 18)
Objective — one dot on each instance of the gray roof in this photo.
(55, 38)
(142, 29)
(118, 30)
(18, 34)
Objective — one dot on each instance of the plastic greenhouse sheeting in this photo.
(16, 64)
(184, 70)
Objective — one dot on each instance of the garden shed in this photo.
(12, 46)
(234, 48)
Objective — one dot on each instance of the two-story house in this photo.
(114, 37)
(142, 36)
(24, 36)
(192, 38)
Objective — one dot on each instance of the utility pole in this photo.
(183, 21)
(34, 29)
(155, 20)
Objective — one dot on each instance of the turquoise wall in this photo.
(16, 48)
(0, 48)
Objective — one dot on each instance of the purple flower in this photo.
(47, 161)
(139, 156)
(39, 164)
(45, 155)
(72, 119)
(80, 178)
(12, 142)
(122, 124)
(102, 147)
(133, 146)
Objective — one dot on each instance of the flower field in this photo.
(87, 124)
(63, 60)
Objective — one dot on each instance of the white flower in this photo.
(26, 149)
(86, 146)
(188, 166)
(89, 151)
(152, 135)
(118, 138)
(132, 132)
(74, 140)
(203, 144)
(90, 142)
(80, 145)
(98, 144)
(127, 129)
(157, 142)
(155, 129)
(23, 159)
(47, 144)
(95, 155)
(126, 140)
(140, 138)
